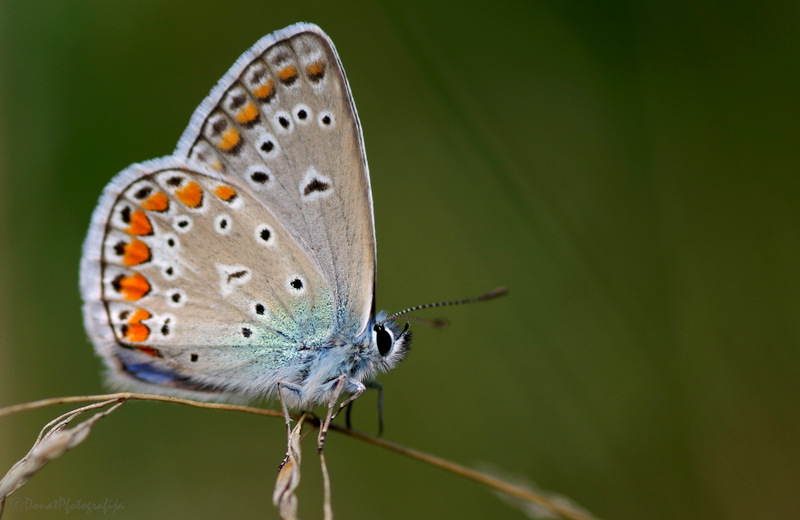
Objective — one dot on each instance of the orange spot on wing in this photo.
(225, 192)
(264, 91)
(138, 315)
(316, 69)
(230, 139)
(135, 253)
(247, 114)
(140, 224)
(137, 332)
(191, 194)
(287, 73)
(150, 351)
(134, 287)
(156, 202)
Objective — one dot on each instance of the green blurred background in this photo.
(628, 170)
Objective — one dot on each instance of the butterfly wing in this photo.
(283, 121)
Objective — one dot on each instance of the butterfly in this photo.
(244, 263)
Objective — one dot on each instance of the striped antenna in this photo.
(494, 293)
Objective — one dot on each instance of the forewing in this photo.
(283, 121)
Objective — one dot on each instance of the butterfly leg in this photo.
(338, 387)
(287, 418)
(360, 388)
(370, 385)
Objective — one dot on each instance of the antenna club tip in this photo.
(440, 323)
(494, 293)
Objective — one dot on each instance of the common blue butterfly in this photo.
(244, 263)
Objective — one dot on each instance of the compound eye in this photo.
(384, 340)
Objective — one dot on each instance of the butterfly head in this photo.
(387, 344)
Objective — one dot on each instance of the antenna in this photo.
(494, 293)
(436, 323)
